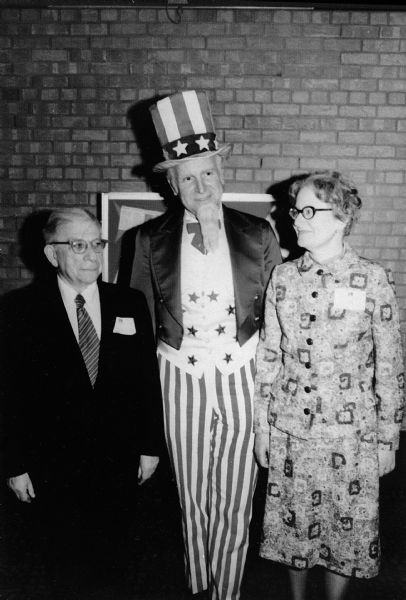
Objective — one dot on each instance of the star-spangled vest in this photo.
(208, 311)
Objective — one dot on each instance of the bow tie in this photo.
(197, 240)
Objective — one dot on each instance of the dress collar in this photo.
(307, 264)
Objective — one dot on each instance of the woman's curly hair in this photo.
(335, 189)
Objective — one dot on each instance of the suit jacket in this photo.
(254, 252)
(56, 424)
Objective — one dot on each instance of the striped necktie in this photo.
(88, 341)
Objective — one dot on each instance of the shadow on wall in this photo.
(150, 149)
(31, 245)
(281, 221)
(149, 146)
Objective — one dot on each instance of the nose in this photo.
(200, 184)
(90, 254)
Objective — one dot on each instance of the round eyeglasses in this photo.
(80, 246)
(307, 212)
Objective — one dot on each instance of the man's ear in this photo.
(50, 253)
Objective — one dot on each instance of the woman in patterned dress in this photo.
(329, 394)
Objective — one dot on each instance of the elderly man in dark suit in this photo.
(203, 268)
(83, 407)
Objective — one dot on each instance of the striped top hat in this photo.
(185, 128)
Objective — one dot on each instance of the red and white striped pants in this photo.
(208, 427)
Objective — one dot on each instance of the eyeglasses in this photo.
(307, 212)
(80, 246)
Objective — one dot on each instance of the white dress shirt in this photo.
(92, 304)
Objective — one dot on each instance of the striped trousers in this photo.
(208, 428)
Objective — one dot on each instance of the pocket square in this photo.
(124, 325)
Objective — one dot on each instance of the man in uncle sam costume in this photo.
(203, 268)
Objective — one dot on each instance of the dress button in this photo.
(256, 297)
(314, 294)
(256, 319)
(309, 341)
(161, 300)
(307, 365)
(306, 411)
(312, 317)
(307, 389)
(320, 272)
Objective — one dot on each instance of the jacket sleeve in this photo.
(268, 358)
(389, 370)
(14, 418)
(151, 435)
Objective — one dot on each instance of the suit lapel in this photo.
(108, 314)
(246, 260)
(165, 252)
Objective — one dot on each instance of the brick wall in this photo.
(292, 90)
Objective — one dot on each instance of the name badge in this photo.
(349, 298)
(124, 325)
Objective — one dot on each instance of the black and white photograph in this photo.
(202, 300)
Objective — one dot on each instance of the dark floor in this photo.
(156, 572)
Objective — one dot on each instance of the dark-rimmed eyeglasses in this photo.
(307, 212)
(80, 246)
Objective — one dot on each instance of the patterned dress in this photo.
(330, 391)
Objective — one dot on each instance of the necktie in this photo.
(197, 240)
(88, 341)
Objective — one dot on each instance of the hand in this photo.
(22, 487)
(386, 460)
(148, 464)
(261, 449)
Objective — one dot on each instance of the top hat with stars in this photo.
(185, 128)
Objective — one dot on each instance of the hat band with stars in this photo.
(189, 146)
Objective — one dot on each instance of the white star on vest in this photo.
(203, 143)
(180, 148)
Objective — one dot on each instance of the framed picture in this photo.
(123, 211)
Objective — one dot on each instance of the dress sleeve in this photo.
(389, 369)
(268, 358)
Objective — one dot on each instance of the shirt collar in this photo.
(69, 293)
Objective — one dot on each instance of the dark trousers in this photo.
(72, 541)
